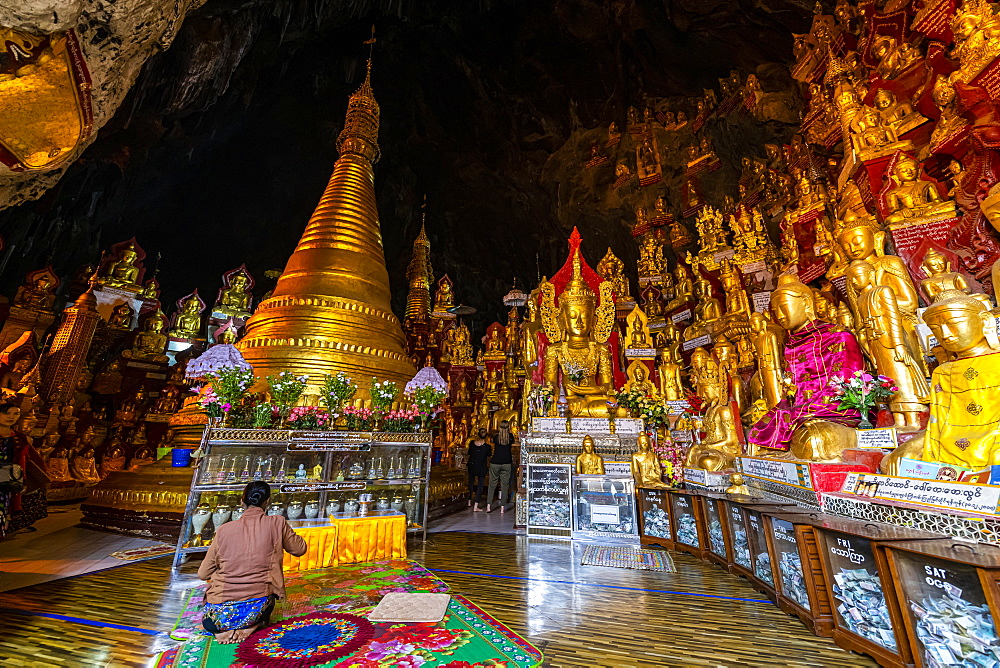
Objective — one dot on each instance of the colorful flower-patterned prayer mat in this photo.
(305, 641)
(350, 588)
(624, 556)
(467, 637)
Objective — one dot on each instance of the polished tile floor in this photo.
(577, 615)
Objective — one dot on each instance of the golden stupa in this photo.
(330, 310)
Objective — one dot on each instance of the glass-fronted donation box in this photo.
(562, 503)
(314, 477)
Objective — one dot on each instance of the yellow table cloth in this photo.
(350, 541)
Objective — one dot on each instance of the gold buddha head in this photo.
(858, 242)
(192, 305)
(505, 398)
(239, 282)
(792, 303)
(645, 444)
(128, 256)
(154, 323)
(884, 99)
(907, 170)
(588, 444)
(935, 262)
(943, 93)
(962, 324)
(577, 303)
(860, 275)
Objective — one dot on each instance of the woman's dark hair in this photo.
(6, 406)
(256, 493)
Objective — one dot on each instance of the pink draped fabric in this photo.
(812, 355)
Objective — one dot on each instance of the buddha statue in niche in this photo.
(37, 296)
(638, 379)
(578, 330)
(149, 343)
(912, 199)
(121, 316)
(898, 114)
(187, 323)
(964, 423)
(235, 299)
(123, 272)
(940, 277)
(720, 446)
(669, 373)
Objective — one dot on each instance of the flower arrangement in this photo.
(402, 419)
(641, 405)
(308, 418)
(671, 458)
(359, 419)
(540, 400)
(286, 388)
(231, 383)
(861, 392)
(338, 389)
(426, 390)
(262, 416)
(383, 393)
(575, 372)
(209, 400)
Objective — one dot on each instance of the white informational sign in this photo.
(761, 301)
(788, 473)
(676, 407)
(682, 435)
(915, 468)
(643, 280)
(877, 439)
(557, 425)
(697, 476)
(642, 353)
(620, 469)
(962, 496)
(754, 267)
(705, 340)
(604, 514)
(682, 316)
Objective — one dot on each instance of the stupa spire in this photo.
(420, 274)
(330, 309)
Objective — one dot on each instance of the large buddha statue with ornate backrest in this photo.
(150, 343)
(123, 272)
(235, 298)
(914, 200)
(807, 420)
(187, 321)
(964, 423)
(578, 328)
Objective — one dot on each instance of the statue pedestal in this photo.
(22, 320)
(801, 481)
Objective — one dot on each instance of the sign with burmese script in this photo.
(705, 340)
(342, 486)
(961, 496)
(587, 425)
(329, 440)
(877, 439)
(787, 473)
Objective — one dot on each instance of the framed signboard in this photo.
(549, 496)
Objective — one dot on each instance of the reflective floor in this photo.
(577, 615)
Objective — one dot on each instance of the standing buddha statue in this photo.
(769, 342)
(669, 373)
(578, 330)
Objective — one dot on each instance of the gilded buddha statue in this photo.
(879, 318)
(235, 299)
(737, 303)
(187, 322)
(720, 447)
(444, 297)
(872, 138)
(121, 316)
(638, 379)
(651, 260)
(123, 272)
(150, 343)
(894, 57)
(669, 373)
(39, 295)
(912, 200)
(769, 343)
(646, 468)
(976, 28)
(683, 287)
(898, 114)
(940, 278)
(807, 420)
(589, 462)
(578, 330)
(638, 335)
(506, 412)
(612, 270)
(964, 424)
(707, 311)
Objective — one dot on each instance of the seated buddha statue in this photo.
(737, 302)
(235, 299)
(646, 468)
(940, 277)
(187, 322)
(149, 343)
(721, 446)
(589, 462)
(57, 464)
(898, 114)
(123, 273)
(114, 460)
(638, 338)
(578, 351)
(38, 296)
(121, 316)
(613, 269)
(462, 395)
(444, 297)
(814, 351)
(638, 379)
(683, 287)
(650, 257)
(872, 138)
(83, 467)
(912, 199)
(169, 400)
(707, 312)
(10, 381)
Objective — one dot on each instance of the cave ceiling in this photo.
(220, 137)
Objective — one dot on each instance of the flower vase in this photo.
(283, 413)
(865, 422)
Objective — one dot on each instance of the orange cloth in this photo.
(362, 539)
(350, 541)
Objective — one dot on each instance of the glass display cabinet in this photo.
(313, 476)
(604, 507)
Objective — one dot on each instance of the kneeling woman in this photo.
(244, 565)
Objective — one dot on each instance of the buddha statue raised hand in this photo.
(578, 329)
